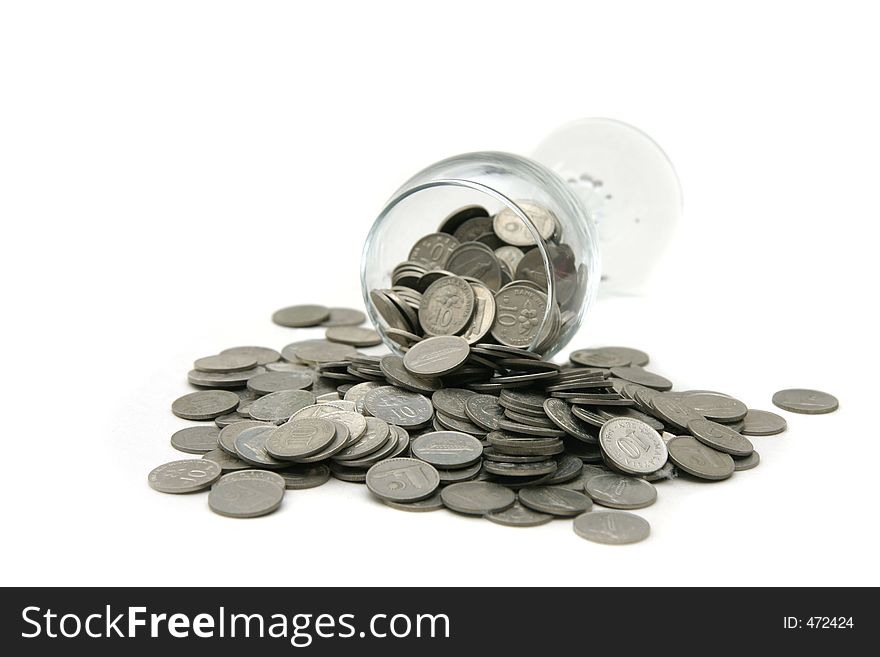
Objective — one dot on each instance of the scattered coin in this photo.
(695, 458)
(403, 480)
(433, 503)
(301, 477)
(187, 476)
(269, 382)
(437, 356)
(225, 380)
(196, 440)
(279, 406)
(300, 438)
(716, 406)
(642, 377)
(447, 449)
(205, 404)
(301, 316)
(225, 461)
(228, 434)
(555, 501)
(353, 335)
(632, 446)
(762, 423)
(399, 407)
(621, 492)
(447, 306)
(720, 437)
(233, 362)
(477, 497)
(263, 355)
(519, 516)
(612, 527)
(250, 447)
(344, 317)
(746, 462)
(246, 494)
(808, 402)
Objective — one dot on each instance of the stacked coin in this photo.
(478, 428)
(482, 276)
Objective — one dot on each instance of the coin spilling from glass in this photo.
(469, 419)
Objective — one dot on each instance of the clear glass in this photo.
(494, 181)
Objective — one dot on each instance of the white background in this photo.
(172, 172)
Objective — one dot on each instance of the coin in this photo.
(357, 393)
(263, 355)
(225, 461)
(612, 527)
(402, 480)
(762, 423)
(341, 440)
(504, 469)
(717, 436)
(473, 228)
(473, 260)
(433, 250)
(300, 438)
(484, 411)
(437, 356)
(433, 503)
(746, 462)
(246, 494)
(513, 230)
(519, 516)
(233, 362)
(205, 404)
(395, 371)
(673, 410)
(269, 382)
(222, 379)
(354, 422)
(519, 313)
(279, 406)
(555, 501)
(250, 446)
(642, 377)
(353, 335)
(452, 222)
(447, 449)
(451, 401)
(621, 492)
(447, 306)
(187, 476)
(377, 433)
(808, 402)
(322, 351)
(301, 477)
(716, 406)
(477, 497)
(301, 316)
(399, 407)
(195, 440)
(561, 415)
(227, 436)
(695, 458)
(632, 446)
(510, 256)
(344, 317)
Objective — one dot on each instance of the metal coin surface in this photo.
(642, 377)
(322, 351)
(437, 356)
(674, 411)
(519, 516)
(695, 458)
(433, 503)
(373, 438)
(476, 261)
(484, 411)
(562, 416)
(263, 355)
(504, 469)
(196, 440)
(452, 222)
(399, 407)
(762, 423)
(300, 438)
(354, 336)
(477, 497)
(246, 494)
(402, 480)
(447, 449)
(226, 439)
(341, 440)
(222, 379)
(716, 406)
(720, 437)
(344, 317)
(433, 250)
(187, 476)
(632, 446)
(746, 462)
(395, 371)
(513, 230)
(280, 406)
(225, 461)
(357, 393)
(621, 492)
(555, 501)
(447, 306)
(301, 477)
(226, 363)
(250, 446)
(205, 404)
(301, 316)
(612, 528)
(269, 382)
(519, 313)
(808, 402)
(451, 401)
(568, 468)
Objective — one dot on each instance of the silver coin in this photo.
(642, 377)
(402, 480)
(519, 516)
(454, 220)
(351, 475)
(301, 477)
(447, 306)
(555, 501)
(716, 406)
(233, 362)
(250, 447)
(695, 458)
(404, 339)
(746, 462)
(456, 475)
(263, 355)
(398, 407)
(474, 260)
(389, 312)
(621, 492)
(284, 366)
(433, 503)
(454, 424)
(227, 462)
(510, 256)
(344, 317)
(280, 406)
(632, 446)
(269, 382)
(720, 437)
(762, 423)
(519, 314)
(387, 450)
(246, 494)
(504, 469)
(222, 379)
(513, 230)
(354, 422)
(450, 401)
(196, 440)
(376, 435)
(300, 438)
(433, 250)
(808, 402)
(301, 316)
(205, 404)
(485, 411)
(354, 336)
(447, 449)
(187, 476)
(226, 439)
(674, 411)
(231, 418)
(358, 391)
(341, 440)
(322, 351)
(437, 356)
(612, 527)
(568, 467)
(477, 497)
(473, 228)
(288, 353)
(561, 415)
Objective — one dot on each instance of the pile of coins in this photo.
(484, 276)
(482, 429)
